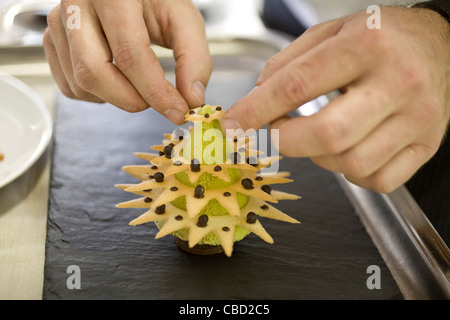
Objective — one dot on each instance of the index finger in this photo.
(329, 66)
(127, 35)
(308, 40)
(190, 47)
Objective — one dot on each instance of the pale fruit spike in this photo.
(214, 225)
(146, 155)
(258, 229)
(152, 184)
(140, 172)
(161, 160)
(255, 205)
(226, 238)
(158, 148)
(267, 161)
(124, 187)
(195, 205)
(147, 216)
(196, 234)
(255, 192)
(172, 225)
(253, 152)
(195, 117)
(135, 203)
(230, 203)
(279, 174)
(221, 174)
(173, 169)
(193, 176)
(240, 166)
(168, 196)
(271, 180)
(280, 195)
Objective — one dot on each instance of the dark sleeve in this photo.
(430, 186)
(440, 6)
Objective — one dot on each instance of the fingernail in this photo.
(175, 116)
(198, 90)
(231, 127)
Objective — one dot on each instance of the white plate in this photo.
(25, 128)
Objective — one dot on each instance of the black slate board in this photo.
(325, 257)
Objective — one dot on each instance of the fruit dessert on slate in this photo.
(205, 188)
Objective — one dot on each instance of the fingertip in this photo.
(193, 72)
(198, 92)
(174, 115)
(230, 127)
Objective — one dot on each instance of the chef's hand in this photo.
(81, 60)
(395, 105)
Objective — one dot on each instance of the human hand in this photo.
(81, 60)
(395, 106)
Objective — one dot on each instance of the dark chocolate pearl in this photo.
(207, 115)
(266, 188)
(168, 151)
(218, 108)
(161, 209)
(178, 133)
(251, 217)
(174, 189)
(247, 183)
(191, 111)
(148, 199)
(253, 161)
(258, 178)
(195, 165)
(171, 145)
(154, 167)
(202, 221)
(226, 194)
(199, 192)
(226, 229)
(161, 153)
(235, 139)
(217, 168)
(177, 163)
(264, 207)
(178, 218)
(235, 157)
(159, 177)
